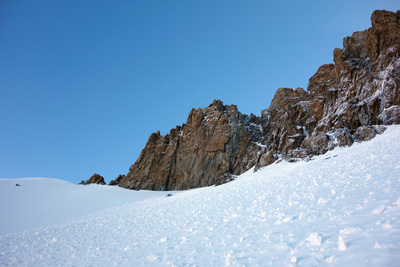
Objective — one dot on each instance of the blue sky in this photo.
(84, 83)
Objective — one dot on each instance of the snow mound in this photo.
(339, 209)
(37, 202)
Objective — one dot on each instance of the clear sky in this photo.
(84, 83)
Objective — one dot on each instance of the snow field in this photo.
(339, 209)
(41, 202)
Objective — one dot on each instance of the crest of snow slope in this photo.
(340, 209)
(41, 202)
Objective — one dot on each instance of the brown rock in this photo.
(383, 34)
(343, 103)
(117, 180)
(356, 92)
(95, 179)
(285, 122)
(213, 142)
(265, 159)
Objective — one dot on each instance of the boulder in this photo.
(94, 179)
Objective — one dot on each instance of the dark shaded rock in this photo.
(341, 137)
(364, 133)
(285, 124)
(265, 159)
(391, 115)
(117, 180)
(354, 45)
(95, 179)
(228, 177)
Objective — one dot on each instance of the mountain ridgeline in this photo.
(349, 101)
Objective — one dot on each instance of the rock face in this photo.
(214, 142)
(94, 179)
(345, 102)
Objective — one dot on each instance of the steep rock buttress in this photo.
(213, 144)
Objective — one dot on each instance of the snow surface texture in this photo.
(339, 209)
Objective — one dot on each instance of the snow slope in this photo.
(43, 201)
(339, 209)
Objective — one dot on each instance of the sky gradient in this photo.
(83, 84)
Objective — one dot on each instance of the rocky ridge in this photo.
(348, 101)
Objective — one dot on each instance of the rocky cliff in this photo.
(345, 102)
(214, 143)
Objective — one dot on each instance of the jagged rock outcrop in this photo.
(94, 179)
(214, 142)
(345, 102)
(117, 180)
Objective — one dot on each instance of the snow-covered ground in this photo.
(41, 202)
(339, 209)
